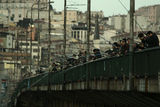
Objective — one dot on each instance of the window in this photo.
(24, 44)
(13, 15)
(72, 34)
(34, 44)
(82, 33)
(35, 50)
(20, 15)
(85, 35)
(35, 57)
(78, 34)
(12, 19)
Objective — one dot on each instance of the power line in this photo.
(129, 13)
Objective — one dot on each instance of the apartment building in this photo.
(152, 12)
(16, 10)
(79, 32)
(25, 45)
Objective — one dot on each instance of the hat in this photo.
(140, 35)
(149, 32)
(115, 44)
(124, 39)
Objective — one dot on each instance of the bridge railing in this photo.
(146, 63)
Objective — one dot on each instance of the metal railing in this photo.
(146, 63)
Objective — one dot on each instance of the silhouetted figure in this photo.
(152, 39)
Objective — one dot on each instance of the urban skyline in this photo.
(107, 8)
(80, 56)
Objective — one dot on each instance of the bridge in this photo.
(101, 83)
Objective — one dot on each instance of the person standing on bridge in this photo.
(143, 39)
(152, 39)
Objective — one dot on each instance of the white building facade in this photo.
(16, 10)
(27, 44)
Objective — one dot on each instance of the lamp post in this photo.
(31, 39)
(38, 35)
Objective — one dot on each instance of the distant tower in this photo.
(96, 34)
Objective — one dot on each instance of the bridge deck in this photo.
(88, 98)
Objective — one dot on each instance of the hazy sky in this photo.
(109, 7)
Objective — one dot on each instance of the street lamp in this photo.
(38, 34)
(31, 26)
(38, 24)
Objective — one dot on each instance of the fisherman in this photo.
(143, 39)
(152, 39)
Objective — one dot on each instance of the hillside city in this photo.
(24, 38)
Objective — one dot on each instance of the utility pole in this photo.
(31, 40)
(38, 34)
(49, 34)
(89, 27)
(131, 51)
(88, 39)
(65, 17)
(49, 45)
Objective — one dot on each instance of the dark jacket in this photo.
(152, 41)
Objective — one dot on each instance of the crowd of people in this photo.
(120, 48)
(75, 60)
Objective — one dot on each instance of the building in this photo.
(57, 20)
(119, 22)
(25, 46)
(151, 12)
(6, 41)
(110, 21)
(79, 32)
(82, 17)
(72, 16)
(20, 1)
(95, 13)
(3, 19)
(105, 41)
(17, 9)
(141, 23)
